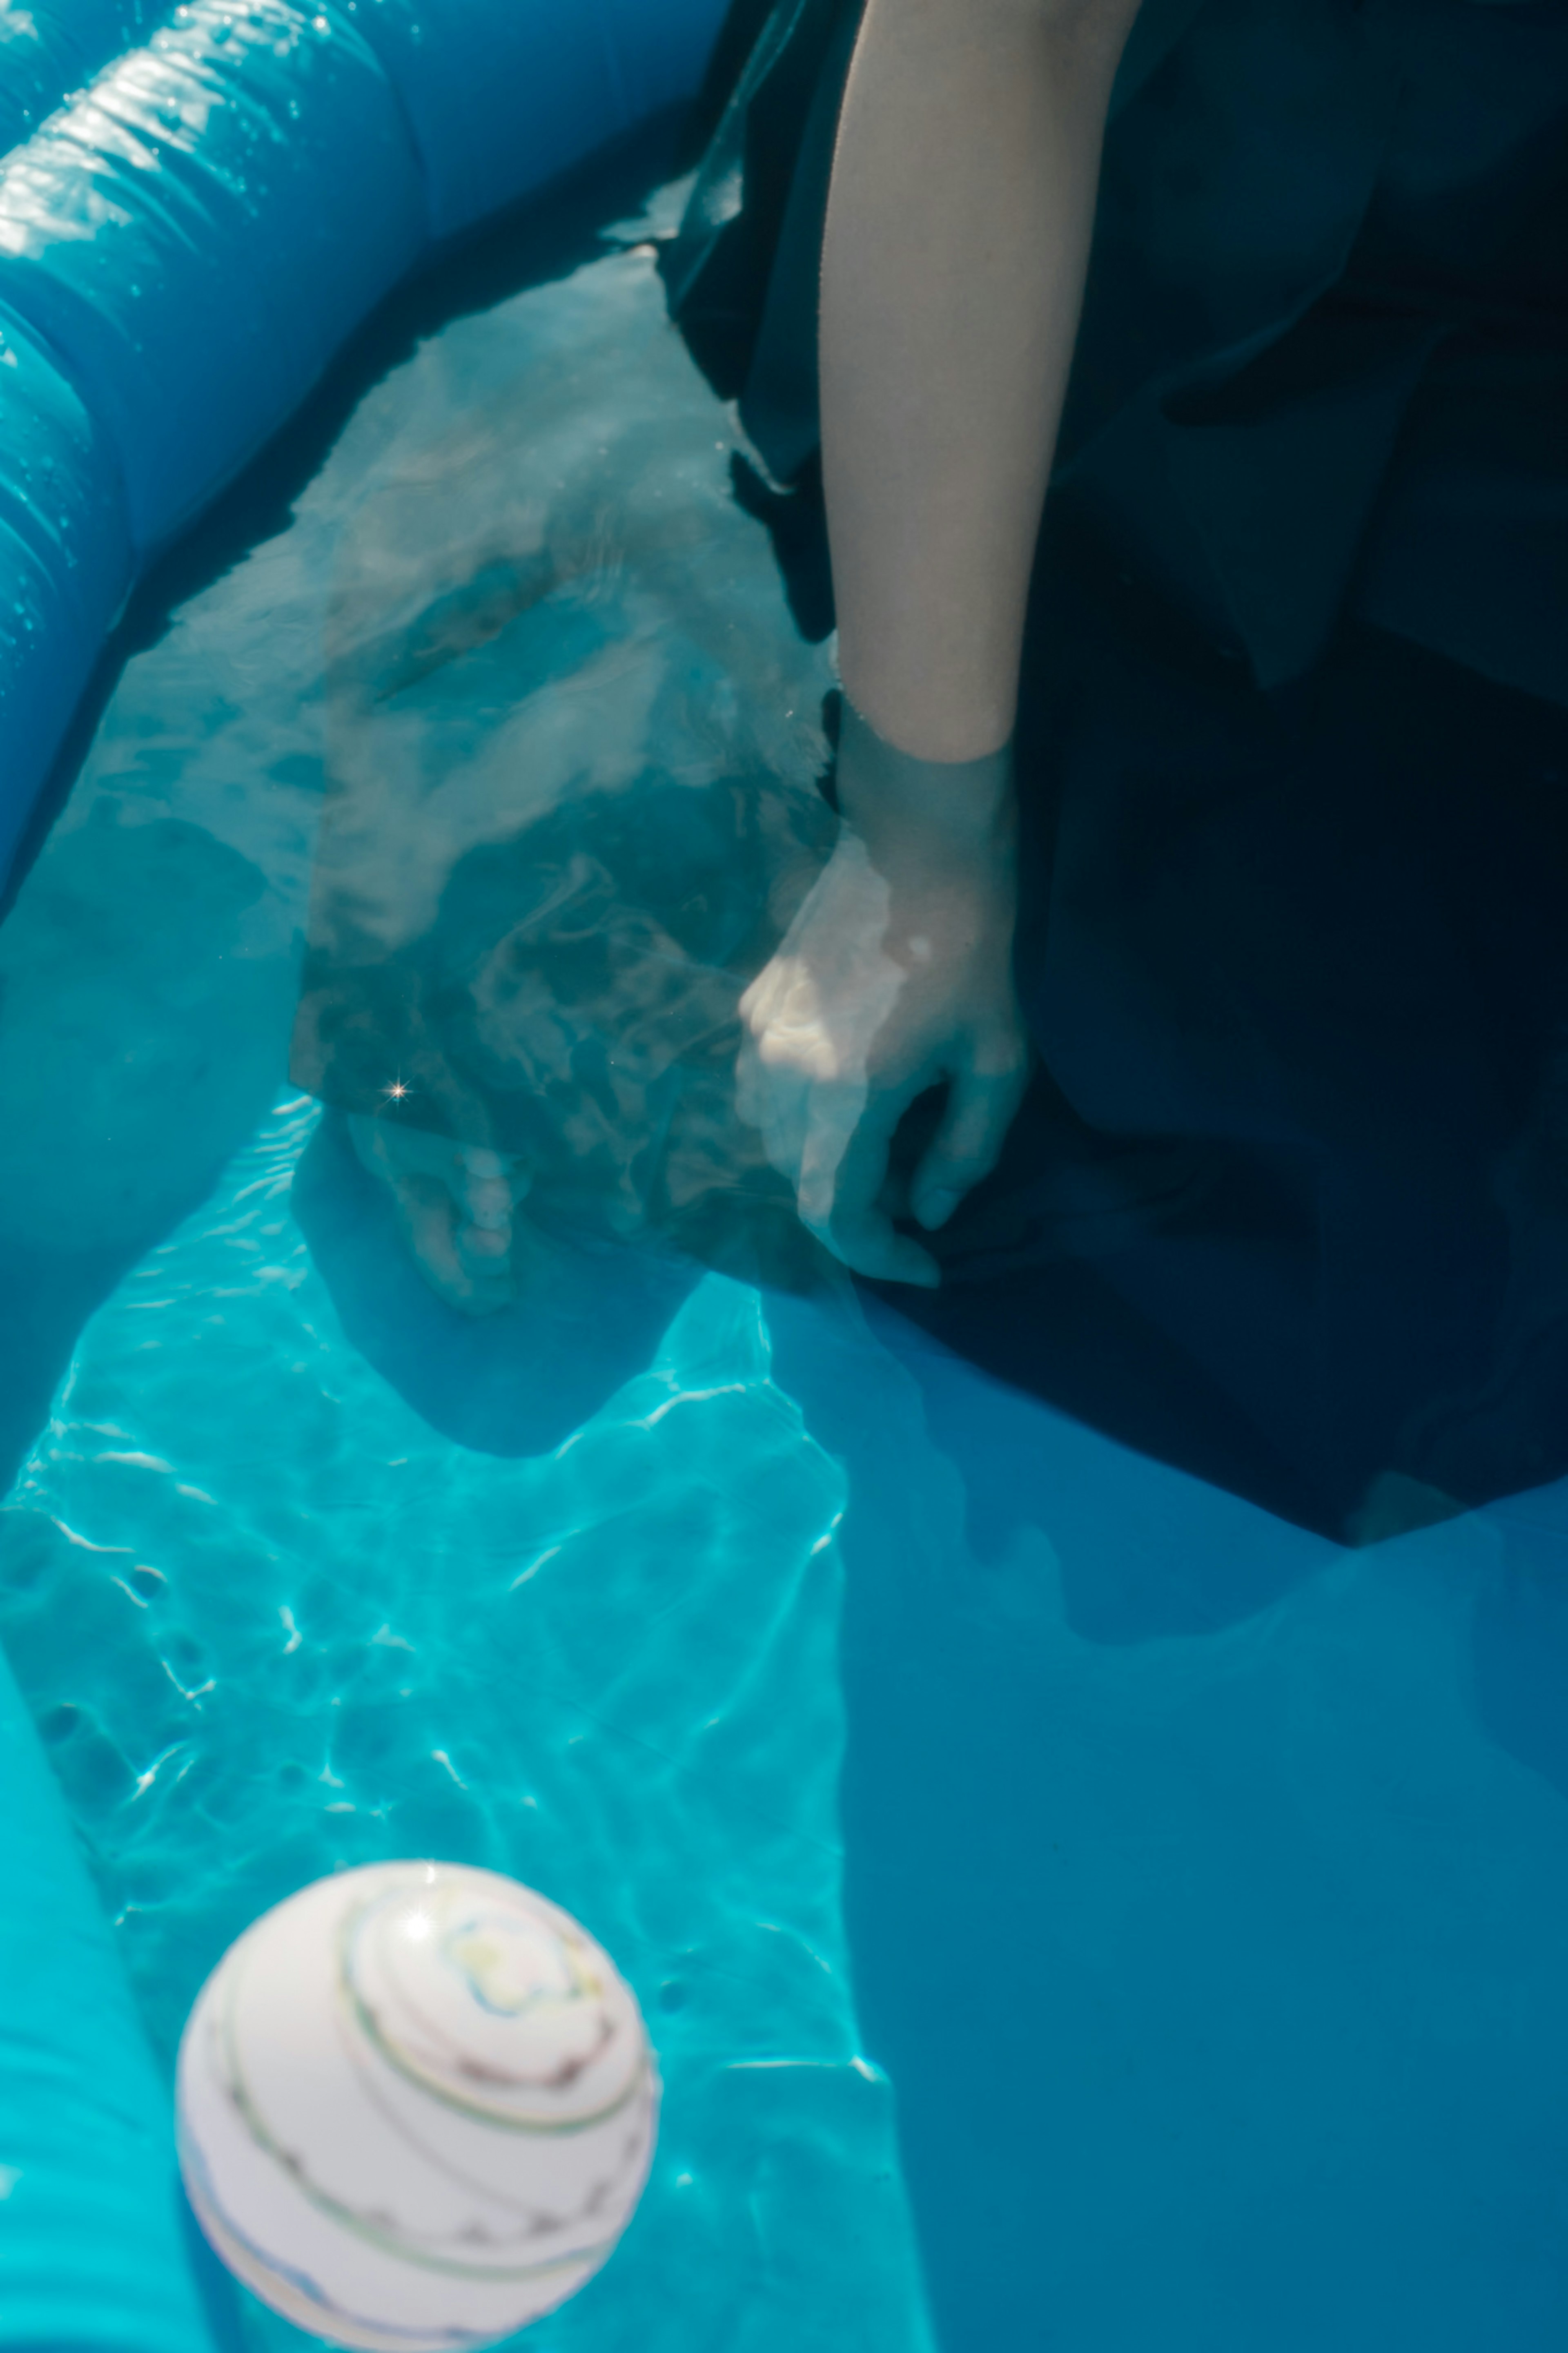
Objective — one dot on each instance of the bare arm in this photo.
(958, 229)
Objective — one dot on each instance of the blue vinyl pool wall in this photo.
(219, 194)
(198, 205)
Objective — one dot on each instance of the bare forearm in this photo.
(958, 230)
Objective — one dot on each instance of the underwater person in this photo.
(568, 812)
(1236, 790)
(1165, 403)
(950, 293)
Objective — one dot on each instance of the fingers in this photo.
(771, 1098)
(830, 1140)
(786, 1023)
(426, 1212)
(488, 1188)
(842, 1155)
(836, 1045)
(869, 1244)
(843, 1174)
(457, 1203)
(980, 1108)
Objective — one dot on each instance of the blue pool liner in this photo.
(186, 241)
(190, 226)
(93, 2238)
(53, 47)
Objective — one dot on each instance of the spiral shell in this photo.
(417, 2107)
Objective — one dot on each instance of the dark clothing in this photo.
(1289, 1203)
(1323, 361)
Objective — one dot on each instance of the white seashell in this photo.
(417, 2107)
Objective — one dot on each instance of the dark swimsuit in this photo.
(1290, 1203)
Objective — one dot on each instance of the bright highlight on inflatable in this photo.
(417, 2107)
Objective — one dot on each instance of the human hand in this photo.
(457, 1205)
(895, 976)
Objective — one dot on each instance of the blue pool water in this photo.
(1073, 1909)
(611, 1671)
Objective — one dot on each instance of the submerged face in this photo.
(572, 764)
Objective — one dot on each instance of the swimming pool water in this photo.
(1072, 1908)
(275, 1627)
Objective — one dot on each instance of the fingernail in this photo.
(934, 1209)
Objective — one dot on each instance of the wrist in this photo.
(905, 808)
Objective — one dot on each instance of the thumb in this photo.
(981, 1107)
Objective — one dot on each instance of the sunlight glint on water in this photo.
(273, 1626)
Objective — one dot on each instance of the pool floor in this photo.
(1073, 1908)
